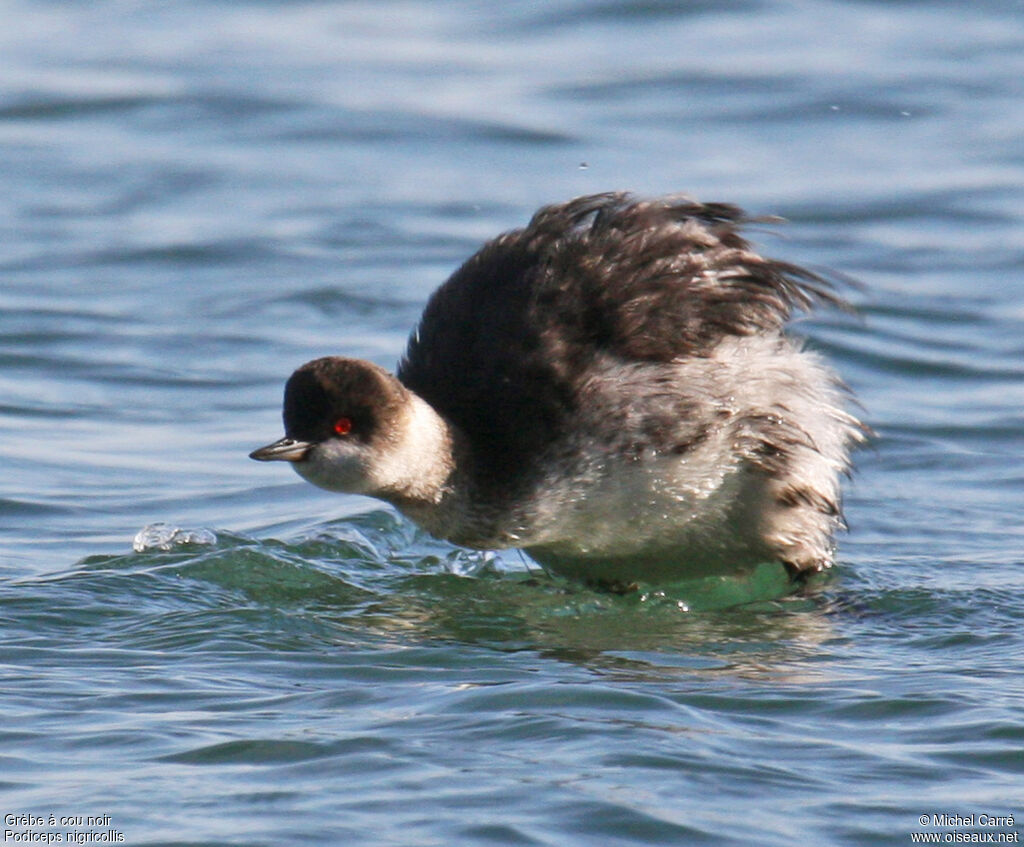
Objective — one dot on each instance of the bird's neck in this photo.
(418, 469)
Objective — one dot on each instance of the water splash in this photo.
(165, 537)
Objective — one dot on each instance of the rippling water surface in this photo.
(199, 196)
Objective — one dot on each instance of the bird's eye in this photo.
(343, 426)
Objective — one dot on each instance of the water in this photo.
(199, 196)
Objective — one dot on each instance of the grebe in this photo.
(609, 389)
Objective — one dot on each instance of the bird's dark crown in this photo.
(324, 391)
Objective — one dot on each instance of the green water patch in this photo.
(375, 581)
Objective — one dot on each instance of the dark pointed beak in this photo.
(282, 450)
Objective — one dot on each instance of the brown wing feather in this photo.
(659, 279)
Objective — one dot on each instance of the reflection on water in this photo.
(371, 579)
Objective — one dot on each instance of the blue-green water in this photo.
(199, 196)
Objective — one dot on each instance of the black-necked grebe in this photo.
(609, 389)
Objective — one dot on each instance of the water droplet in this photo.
(165, 536)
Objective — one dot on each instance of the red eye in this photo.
(343, 426)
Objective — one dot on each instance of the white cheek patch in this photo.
(335, 465)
